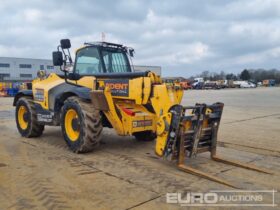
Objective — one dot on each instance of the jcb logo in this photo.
(118, 87)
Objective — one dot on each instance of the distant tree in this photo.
(231, 76)
(205, 75)
(222, 75)
(214, 76)
(245, 75)
(256, 75)
(191, 78)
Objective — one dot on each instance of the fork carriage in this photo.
(197, 132)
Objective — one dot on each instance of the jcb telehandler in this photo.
(103, 91)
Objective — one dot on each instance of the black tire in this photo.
(90, 125)
(34, 129)
(145, 136)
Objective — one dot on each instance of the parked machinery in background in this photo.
(269, 83)
(185, 85)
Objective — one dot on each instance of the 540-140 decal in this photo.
(142, 123)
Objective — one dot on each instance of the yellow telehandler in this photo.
(102, 90)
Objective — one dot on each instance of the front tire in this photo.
(81, 125)
(26, 118)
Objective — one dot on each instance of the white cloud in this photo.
(258, 58)
(267, 30)
(192, 53)
(32, 15)
(195, 35)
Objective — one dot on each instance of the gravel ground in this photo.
(41, 173)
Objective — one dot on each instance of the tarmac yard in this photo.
(122, 173)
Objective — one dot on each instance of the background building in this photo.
(22, 69)
(25, 69)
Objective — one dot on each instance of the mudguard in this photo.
(60, 95)
(22, 93)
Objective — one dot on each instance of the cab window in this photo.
(115, 61)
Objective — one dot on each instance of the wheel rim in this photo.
(22, 112)
(70, 117)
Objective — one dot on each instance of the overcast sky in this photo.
(184, 37)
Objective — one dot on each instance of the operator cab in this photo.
(102, 57)
(98, 59)
(94, 58)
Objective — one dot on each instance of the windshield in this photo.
(89, 61)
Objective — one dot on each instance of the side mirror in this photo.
(65, 43)
(131, 52)
(57, 58)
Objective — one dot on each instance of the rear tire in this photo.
(145, 136)
(26, 118)
(85, 129)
